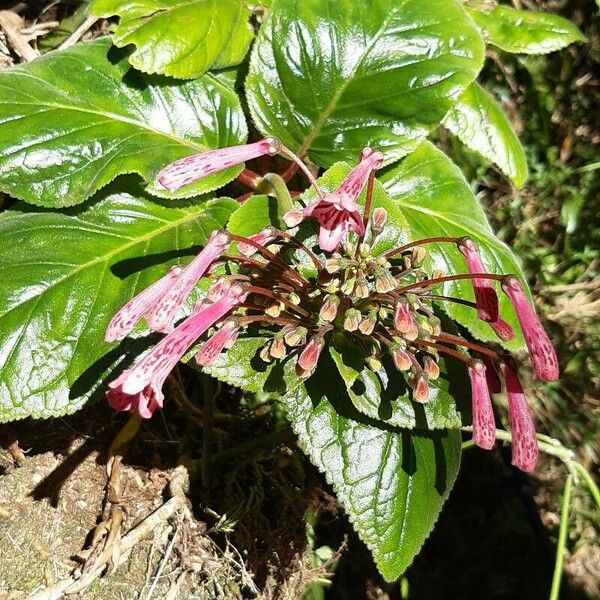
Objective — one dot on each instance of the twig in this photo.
(79, 32)
(161, 567)
(11, 24)
(77, 583)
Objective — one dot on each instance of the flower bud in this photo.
(265, 354)
(352, 319)
(431, 367)
(309, 357)
(384, 281)
(329, 308)
(294, 336)
(420, 388)
(278, 349)
(274, 309)
(378, 219)
(368, 322)
(404, 321)
(293, 218)
(418, 256)
(362, 288)
(437, 273)
(334, 264)
(401, 358)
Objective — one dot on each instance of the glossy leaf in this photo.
(481, 124)
(257, 213)
(329, 77)
(180, 38)
(65, 275)
(391, 482)
(385, 395)
(525, 31)
(436, 200)
(242, 367)
(73, 120)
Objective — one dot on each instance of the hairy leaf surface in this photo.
(65, 275)
(73, 120)
(329, 77)
(481, 124)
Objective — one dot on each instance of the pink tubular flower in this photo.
(338, 212)
(262, 237)
(494, 382)
(524, 441)
(486, 298)
(484, 424)
(140, 387)
(209, 351)
(543, 355)
(137, 308)
(191, 168)
(162, 315)
(502, 329)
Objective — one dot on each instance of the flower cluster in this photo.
(382, 303)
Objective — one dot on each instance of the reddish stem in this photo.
(289, 171)
(433, 240)
(462, 276)
(448, 338)
(445, 350)
(249, 178)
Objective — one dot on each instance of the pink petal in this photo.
(262, 237)
(355, 181)
(543, 355)
(162, 315)
(524, 441)
(213, 346)
(191, 168)
(126, 318)
(484, 424)
(486, 298)
(404, 321)
(502, 329)
(154, 366)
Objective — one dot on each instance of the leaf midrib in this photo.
(107, 257)
(310, 138)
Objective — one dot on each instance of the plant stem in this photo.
(249, 179)
(274, 185)
(394, 251)
(562, 539)
(207, 425)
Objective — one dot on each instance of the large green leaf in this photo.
(329, 77)
(65, 275)
(385, 395)
(391, 482)
(481, 124)
(180, 38)
(437, 201)
(525, 31)
(73, 120)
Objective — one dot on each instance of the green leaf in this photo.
(436, 200)
(391, 482)
(73, 120)
(180, 38)
(385, 396)
(255, 214)
(481, 124)
(329, 77)
(242, 367)
(525, 31)
(65, 275)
